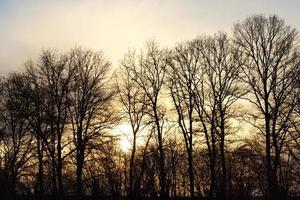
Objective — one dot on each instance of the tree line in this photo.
(214, 117)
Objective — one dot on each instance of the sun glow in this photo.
(125, 145)
(125, 133)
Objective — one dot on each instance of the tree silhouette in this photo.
(214, 117)
(149, 74)
(90, 110)
(270, 69)
(134, 105)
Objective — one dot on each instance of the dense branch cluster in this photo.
(214, 117)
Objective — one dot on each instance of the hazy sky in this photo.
(28, 26)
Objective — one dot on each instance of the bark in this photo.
(40, 178)
(223, 191)
(131, 167)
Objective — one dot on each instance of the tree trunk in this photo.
(131, 170)
(190, 149)
(79, 169)
(224, 173)
(40, 178)
(79, 161)
(223, 194)
(213, 184)
(163, 193)
(59, 168)
(191, 172)
(271, 190)
(13, 183)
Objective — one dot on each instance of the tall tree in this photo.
(56, 74)
(270, 65)
(184, 65)
(134, 105)
(90, 112)
(221, 89)
(149, 74)
(34, 98)
(16, 138)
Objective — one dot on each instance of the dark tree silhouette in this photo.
(58, 119)
(270, 67)
(149, 74)
(15, 137)
(90, 109)
(184, 66)
(134, 104)
(56, 74)
(34, 95)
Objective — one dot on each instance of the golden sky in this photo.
(28, 26)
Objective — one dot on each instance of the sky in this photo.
(114, 26)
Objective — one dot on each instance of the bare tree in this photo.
(134, 106)
(57, 119)
(91, 112)
(56, 74)
(184, 67)
(16, 139)
(217, 90)
(293, 144)
(149, 74)
(269, 69)
(34, 97)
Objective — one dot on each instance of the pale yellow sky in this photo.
(113, 26)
